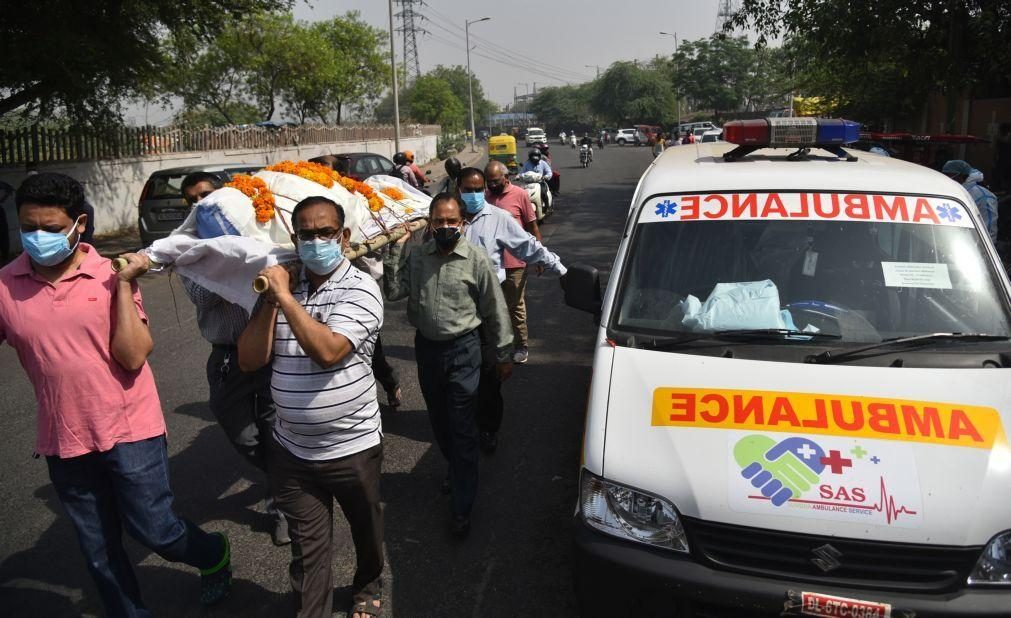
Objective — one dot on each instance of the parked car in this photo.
(686, 127)
(161, 207)
(713, 135)
(627, 136)
(10, 235)
(361, 165)
(536, 136)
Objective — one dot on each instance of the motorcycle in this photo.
(572, 141)
(561, 138)
(537, 188)
(585, 155)
(600, 143)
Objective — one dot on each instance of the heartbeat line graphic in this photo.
(886, 504)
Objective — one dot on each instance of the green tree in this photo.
(456, 78)
(564, 108)
(628, 93)
(81, 59)
(433, 102)
(353, 67)
(714, 74)
(878, 59)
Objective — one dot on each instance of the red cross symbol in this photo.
(836, 461)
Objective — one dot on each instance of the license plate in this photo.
(170, 215)
(814, 604)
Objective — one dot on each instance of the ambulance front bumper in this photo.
(617, 578)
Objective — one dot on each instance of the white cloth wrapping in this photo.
(225, 265)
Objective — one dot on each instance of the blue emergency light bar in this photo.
(800, 133)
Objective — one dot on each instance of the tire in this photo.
(621, 142)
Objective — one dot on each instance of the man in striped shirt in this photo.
(319, 331)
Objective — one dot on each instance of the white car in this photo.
(627, 136)
(799, 401)
(712, 135)
(691, 126)
(536, 136)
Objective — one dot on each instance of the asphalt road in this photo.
(516, 560)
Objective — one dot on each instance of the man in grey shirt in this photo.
(240, 402)
(452, 291)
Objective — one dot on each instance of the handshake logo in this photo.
(779, 470)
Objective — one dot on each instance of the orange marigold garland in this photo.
(394, 193)
(323, 175)
(256, 189)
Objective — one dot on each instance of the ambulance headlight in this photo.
(630, 513)
(994, 566)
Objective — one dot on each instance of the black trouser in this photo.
(490, 405)
(241, 403)
(382, 369)
(449, 373)
(306, 491)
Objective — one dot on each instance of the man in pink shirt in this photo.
(516, 202)
(418, 174)
(81, 334)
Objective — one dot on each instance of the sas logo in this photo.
(827, 478)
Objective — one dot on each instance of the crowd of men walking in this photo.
(293, 384)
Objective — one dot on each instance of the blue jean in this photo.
(127, 486)
(449, 373)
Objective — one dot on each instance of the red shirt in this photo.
(62, 333)
(516, 202)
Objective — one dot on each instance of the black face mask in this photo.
(446, 237)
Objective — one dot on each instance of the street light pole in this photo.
(677, 87)
(396, 94)
(596, 66)
(470, 88)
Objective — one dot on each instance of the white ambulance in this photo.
(800, 389)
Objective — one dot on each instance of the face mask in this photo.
(49, 248)
(473, 201)
(320, 256)
(446, 237)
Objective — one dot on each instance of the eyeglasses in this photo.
(468, 190)
(327, 233)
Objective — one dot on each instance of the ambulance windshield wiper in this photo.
(828, 356)
(744, 334)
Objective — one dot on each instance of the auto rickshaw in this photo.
(503, 148)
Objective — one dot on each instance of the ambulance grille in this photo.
(862, 564)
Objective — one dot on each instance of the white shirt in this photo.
(494, 230)
(330, 413)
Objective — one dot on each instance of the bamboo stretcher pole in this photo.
(261, 284)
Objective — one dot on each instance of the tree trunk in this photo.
(22, 97)
(340, 107)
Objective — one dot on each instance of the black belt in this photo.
(227, 347)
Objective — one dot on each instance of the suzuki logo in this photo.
(826, 558)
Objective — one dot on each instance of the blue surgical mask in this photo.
(320, 256)
(474, 202)
(49, 248)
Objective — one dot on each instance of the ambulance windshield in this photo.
(863, 278)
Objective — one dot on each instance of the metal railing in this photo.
(39, 144)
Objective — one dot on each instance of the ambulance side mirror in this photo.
(582, 288)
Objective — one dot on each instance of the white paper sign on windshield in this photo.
(916, 275)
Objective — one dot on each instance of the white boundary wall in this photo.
(113, 187)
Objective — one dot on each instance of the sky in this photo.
(569, 38)
(527, 44)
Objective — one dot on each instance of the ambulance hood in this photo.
(891, 454)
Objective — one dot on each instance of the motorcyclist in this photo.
(402, 170)
(588, 142)
(535, 163)
(572, 139)
(453, 167)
